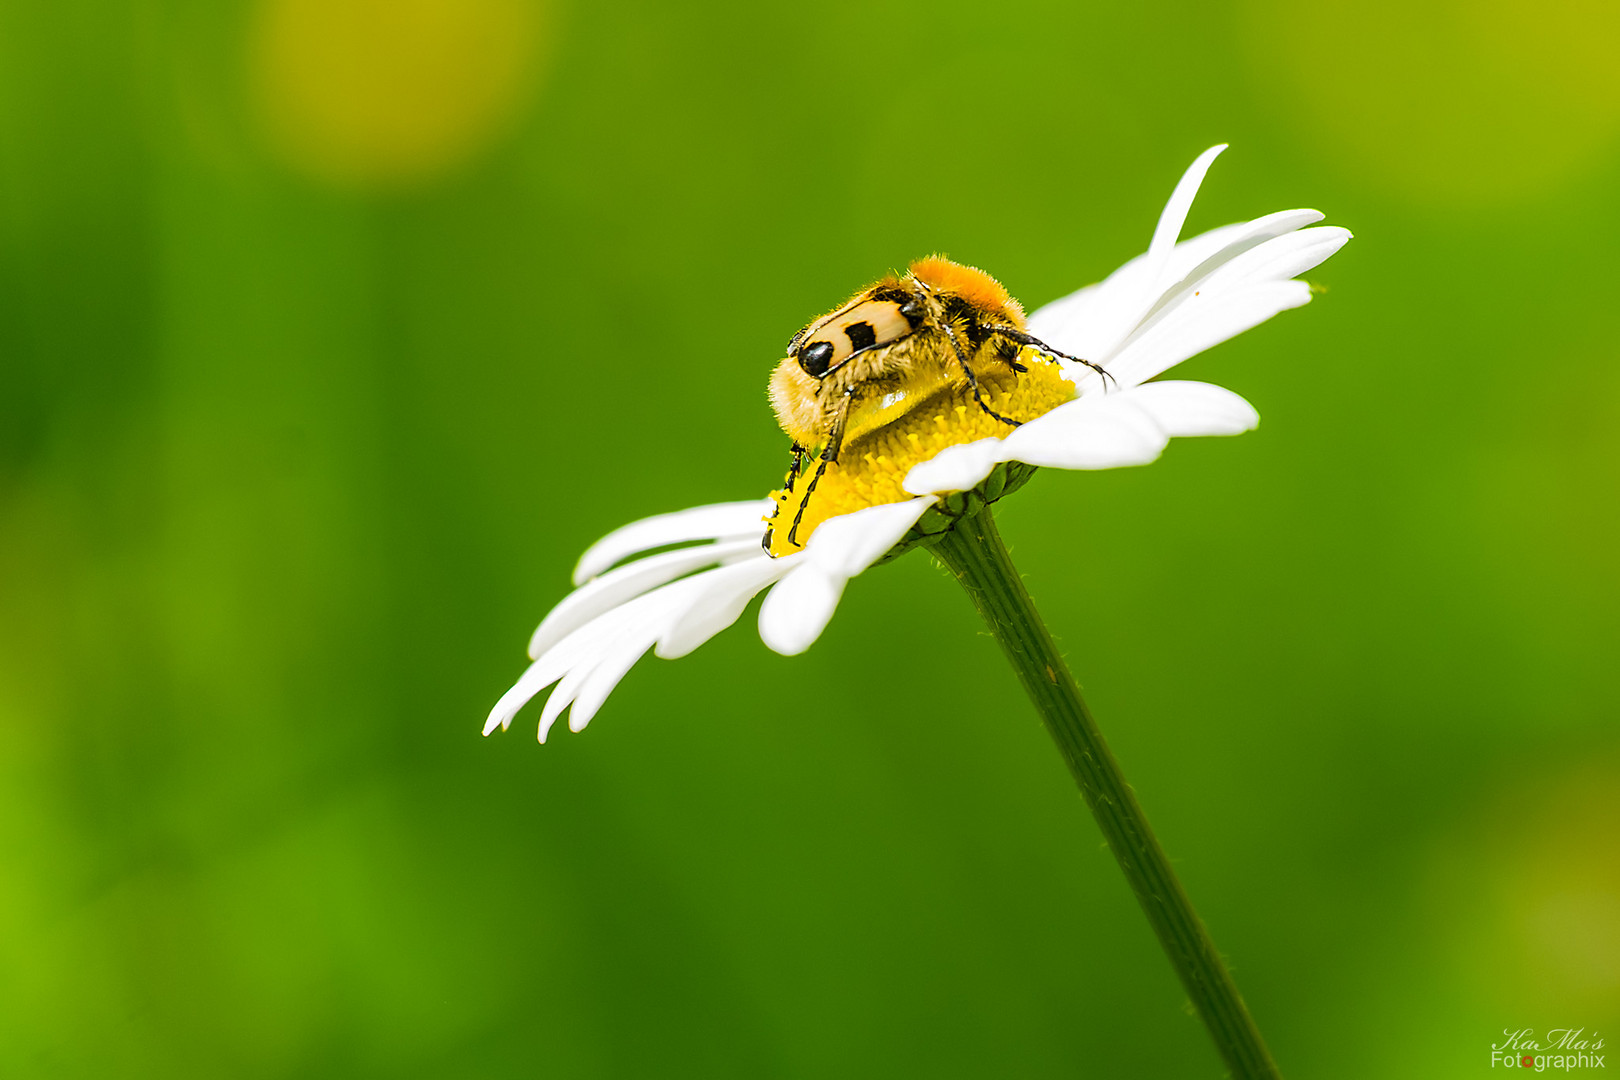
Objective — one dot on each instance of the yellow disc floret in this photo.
(872, 467)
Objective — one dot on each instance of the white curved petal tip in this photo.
(1184, 408)
(546, 722)
(717, 521)
(615, 587)
(796, 612)
(506, 708)
(1174, 215)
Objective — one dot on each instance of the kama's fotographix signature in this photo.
(1559, 1048)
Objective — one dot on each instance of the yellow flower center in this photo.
(871, 469)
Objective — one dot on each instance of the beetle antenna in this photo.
(1035, 342)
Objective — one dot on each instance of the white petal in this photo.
(562, 697)
(1195, 408)
(1094, 433)
(1237, 288)
(735, 586)
(1084, 323)
(1236, 238)
(1135, 294)
(625, 583)
(574, 657)
(1289, 256)
(1078, 324)
(1064, 323)
(1129, 427)
(1202, 323)
(718, 521)
(600, 683)
(1275, 232)
(539, 675)
(592, 659)
(850, 543)
(796, 612)
(1174, 215)
(598, 656)
(956, 468)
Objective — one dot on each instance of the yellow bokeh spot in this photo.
(870, 470)
(390, 93)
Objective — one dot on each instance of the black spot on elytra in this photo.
(908, 303)
(861, 335)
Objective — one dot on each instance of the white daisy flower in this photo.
(1166, 305)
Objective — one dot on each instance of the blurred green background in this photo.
(332, 331)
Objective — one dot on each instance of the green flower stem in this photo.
(975, 554)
